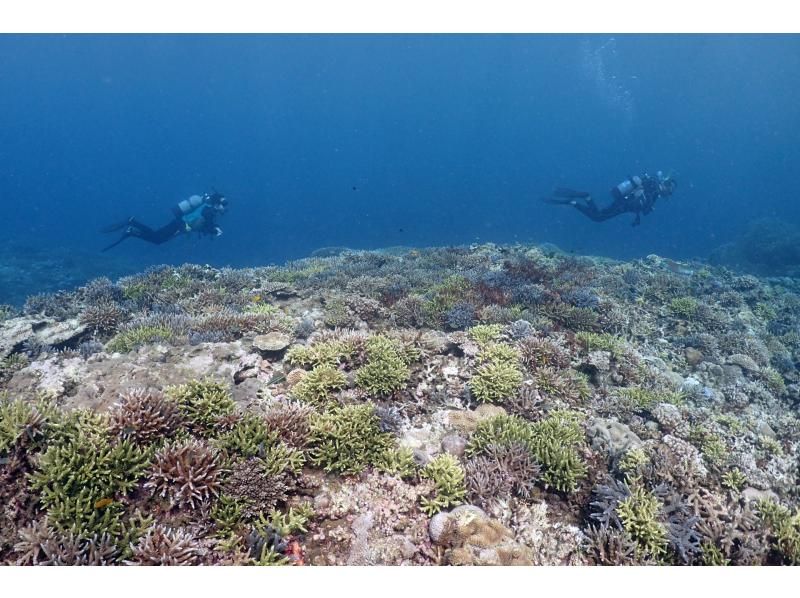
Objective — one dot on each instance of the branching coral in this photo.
(330, 353)
(537, 352)
(347, 439)
(448, 477)
(638, 514)
(255, 487)
(386, 369)
(145, 416)
(166, 547)
(291, 421)
(130, 338)
(187, 474)
(21, 424)
(552, 442)
(103, 317)
(318, 385)
(501, 471)
(40, 544)
(202, 402)
(81, 470)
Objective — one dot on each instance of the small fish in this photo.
(279, 377)
(103, 503)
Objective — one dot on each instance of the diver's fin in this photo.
(112, 228)
(561, 201)
(570, 193)
(118, 241)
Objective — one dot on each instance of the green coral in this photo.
(347, 439)
(713, 555)
(495, 380)
(249, 437)
(203, 402)
(329, 353)
(295, 520)
(734, 480)
(386, 369)
(317, 385)
(448, 478)
(642, 399)
(784, 529)
(638, 514)
(22, 423)
(280, 458)
(262, 309)
(483, 334)
(397, 461)
(80, 475)
(683, 307)
(774, 380)
(770, 445)
(633, 462)
(499, 353)
(227, 513)
(127, 340)
(593, 341)
(553, 442)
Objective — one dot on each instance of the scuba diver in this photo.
(197, 214)
(636, 194)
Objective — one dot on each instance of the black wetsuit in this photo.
(639, 201)
(133, 228)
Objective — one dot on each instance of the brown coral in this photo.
(166, 547)
(502, 471)
(103, 317)
(291, 421)
(144, 416)
(187, 474)
(40, 544)
(255, 488)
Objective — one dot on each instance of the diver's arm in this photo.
(638, 220)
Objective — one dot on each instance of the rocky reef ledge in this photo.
(478, 405)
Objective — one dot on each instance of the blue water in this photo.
(371, 141)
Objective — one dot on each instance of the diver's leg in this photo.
(166, 232)
(589, 209)
(566, 193)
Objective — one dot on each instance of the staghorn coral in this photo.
(186, 473)
(501, 471)
(255, 487)
(347, 439)
(611, 546)
(164, 546)
(319, 384)
(386, 369)
(41, 544)
(103, 317)
(537, 352)
(80, 470)
(552, 442)
(638, 514)
(202, 402)
(22, 424)
(291, 421)
(248, 436)
(144, 416)
(447, 476)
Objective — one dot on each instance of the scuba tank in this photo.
(190, 211)
(187, 206)
(627, 186)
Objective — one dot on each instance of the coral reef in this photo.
(459, 405)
